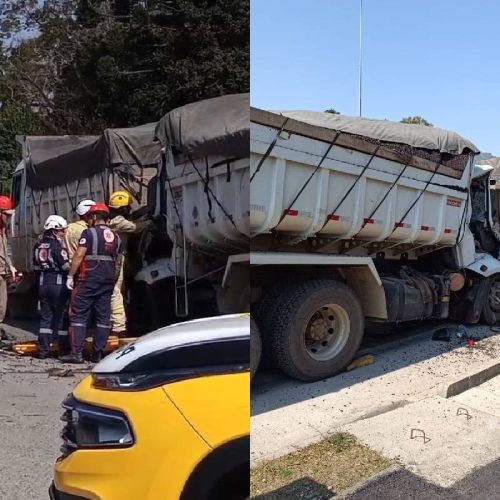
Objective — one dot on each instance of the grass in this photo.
(317, 471)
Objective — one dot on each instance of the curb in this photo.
(367, 482)
(469, 381)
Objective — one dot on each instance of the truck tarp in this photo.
(56, 160)
(417, 136)
(213, 127)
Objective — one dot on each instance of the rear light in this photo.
(88, 426)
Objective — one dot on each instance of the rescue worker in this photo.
(98, 260)
(6, 268)
(75, 229)
(51, 262)
(120, 204)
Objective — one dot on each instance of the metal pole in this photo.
(360, 51)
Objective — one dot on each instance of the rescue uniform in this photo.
(95, 285)
(5, 267)
(73, 235)
(51, 262)
(121, 225)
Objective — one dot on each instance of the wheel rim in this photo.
(494, 296)
(327, 332)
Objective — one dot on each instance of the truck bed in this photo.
(305, 187)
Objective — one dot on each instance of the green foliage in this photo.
(416, 120)
(103, 63)
(92, 64)
(13, 121)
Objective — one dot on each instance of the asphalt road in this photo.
(30, 408)
(401, 484)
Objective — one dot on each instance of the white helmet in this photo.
(84, 206)
(55, 222)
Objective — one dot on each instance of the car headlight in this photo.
(143, 381)
(89, 426)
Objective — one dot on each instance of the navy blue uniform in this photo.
(96, 281)
(51, 263)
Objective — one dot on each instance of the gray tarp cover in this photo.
(418, 136)
(218, 127)
(55, 160)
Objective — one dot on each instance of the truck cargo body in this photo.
(347, 227)
(189, 173)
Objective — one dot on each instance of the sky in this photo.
(439, 59)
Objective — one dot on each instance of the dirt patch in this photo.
(317, 471)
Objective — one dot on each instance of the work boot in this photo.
(97, 356)
(73, 358)
(43, 355)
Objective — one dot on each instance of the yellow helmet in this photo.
(120, 199)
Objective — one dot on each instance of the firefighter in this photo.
(51, 262)
(75, 229)
(120, 204)
(6, 268)
(98, 260)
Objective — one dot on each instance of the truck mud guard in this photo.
(360, 274)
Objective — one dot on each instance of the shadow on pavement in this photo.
(305, 488)
(413, 346)
(482, 484)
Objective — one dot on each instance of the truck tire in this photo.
(314, 329)
(491, 310)
(255, 347)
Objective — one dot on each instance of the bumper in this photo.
(156, 466)
(55, 494)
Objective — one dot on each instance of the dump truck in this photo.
(355, 220)
(188, 176)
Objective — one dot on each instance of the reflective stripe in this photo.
(100, 257)
(102, 326)
(45, 330)
(95, 240)
(41, 279)
(62, 333)
(59, 279)
(78, 324)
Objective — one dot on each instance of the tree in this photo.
(332, 111)
(104, 63)
(13, 121)
(416, 120)
(93, 64)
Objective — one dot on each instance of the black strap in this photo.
(269, 149)
(379, 204)
(225, 212)
(415, 201)
(318, 166)
(365, 168)
(209, 201)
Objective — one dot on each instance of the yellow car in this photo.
(166, 417)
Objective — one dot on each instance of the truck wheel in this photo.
(314, 329)
(255, 347)
(491, 310)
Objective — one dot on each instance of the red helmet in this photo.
(99, 207)
(6, 203)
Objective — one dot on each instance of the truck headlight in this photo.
(89, 426)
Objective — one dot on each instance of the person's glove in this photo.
(70, 283)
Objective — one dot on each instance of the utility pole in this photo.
(360, 52)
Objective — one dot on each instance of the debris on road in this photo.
(442, 334)
(60, 372)
(363, 361)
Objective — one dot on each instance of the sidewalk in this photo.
(287, 414)
(452, 437)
